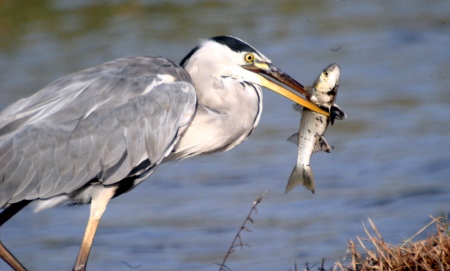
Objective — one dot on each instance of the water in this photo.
(391, 158)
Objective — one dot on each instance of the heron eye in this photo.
(249, 58)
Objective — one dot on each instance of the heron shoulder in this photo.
(77, 94)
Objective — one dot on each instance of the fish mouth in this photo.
(275, 79)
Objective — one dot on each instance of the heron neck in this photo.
(218, 127)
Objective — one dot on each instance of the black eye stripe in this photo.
(234, 44)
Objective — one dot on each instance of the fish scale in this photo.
(313, 126)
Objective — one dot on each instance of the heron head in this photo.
(230, 56)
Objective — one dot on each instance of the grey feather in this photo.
(96, 124)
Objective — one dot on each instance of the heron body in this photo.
(105, 126)
(95, 134)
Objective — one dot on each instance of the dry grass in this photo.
(237, 241)
(431, 254)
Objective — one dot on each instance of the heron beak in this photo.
(272, 72)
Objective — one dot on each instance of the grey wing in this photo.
(98, 124)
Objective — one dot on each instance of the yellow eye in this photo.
(249, 58)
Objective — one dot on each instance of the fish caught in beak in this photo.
(273, 76)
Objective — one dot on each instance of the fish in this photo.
(313, 125)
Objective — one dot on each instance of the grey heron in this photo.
(93, 135)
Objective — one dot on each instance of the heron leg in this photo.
(98, 206)
(9, 212)
(10, 259)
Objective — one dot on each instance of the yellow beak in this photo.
(277, 74)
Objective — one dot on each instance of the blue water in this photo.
(391, 160)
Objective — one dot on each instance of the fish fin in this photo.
(336, 113)
(322, 145)
(308, 179)
(293, 139)
(297, 107)
(309, 89)
(301, 175)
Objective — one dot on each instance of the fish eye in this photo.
(326, 74)
(249, 58)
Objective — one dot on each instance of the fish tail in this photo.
(301, 175)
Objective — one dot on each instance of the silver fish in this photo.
(313, 126)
